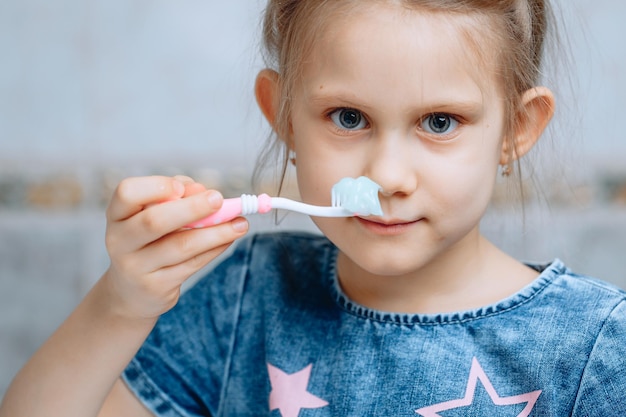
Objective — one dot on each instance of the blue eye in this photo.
(439, 123)
(349, 119)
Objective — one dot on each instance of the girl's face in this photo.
(397, 95)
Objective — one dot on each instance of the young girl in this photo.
(408, 313)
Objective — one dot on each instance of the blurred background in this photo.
(92, 92)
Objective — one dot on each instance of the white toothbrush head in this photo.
(359, 195)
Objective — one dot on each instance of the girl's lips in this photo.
(386, 226)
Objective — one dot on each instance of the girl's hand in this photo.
(151, 252)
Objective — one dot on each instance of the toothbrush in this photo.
(350, 197)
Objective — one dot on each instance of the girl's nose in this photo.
(392, 164)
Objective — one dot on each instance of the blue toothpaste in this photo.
(358, 195)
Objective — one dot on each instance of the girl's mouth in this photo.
(386, 227)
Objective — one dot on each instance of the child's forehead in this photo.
(385, 33)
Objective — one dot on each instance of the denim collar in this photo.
(548, 273)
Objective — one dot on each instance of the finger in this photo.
(133, 194)
(185, 246)
(160, 220)
(184, 179)
(178, 274)
(195, 188)
(160, 285)
(157, 221)
(191, 187)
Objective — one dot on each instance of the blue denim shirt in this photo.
(269, 332)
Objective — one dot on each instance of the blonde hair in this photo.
(517, 28)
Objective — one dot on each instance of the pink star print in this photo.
(476, 373)
(289, 394)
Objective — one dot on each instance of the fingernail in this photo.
(240, 225)
(214, 198)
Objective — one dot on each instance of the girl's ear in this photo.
(536, 111)
(266, 92)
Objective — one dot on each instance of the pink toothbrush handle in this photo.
(234, 207)
(229, 210)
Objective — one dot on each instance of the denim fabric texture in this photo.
(269, 332)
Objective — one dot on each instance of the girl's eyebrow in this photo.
(437, 105)
(468, 106)
(334, 99)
